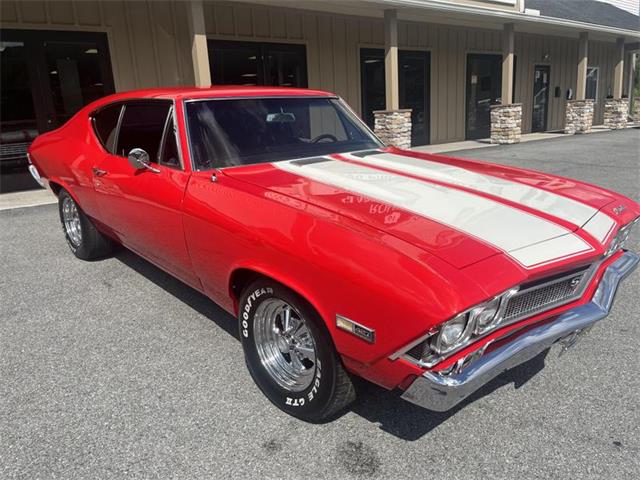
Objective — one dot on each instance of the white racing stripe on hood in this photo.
(505, 227)
(562, 207)
(600, 226)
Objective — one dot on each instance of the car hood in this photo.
(459, 210)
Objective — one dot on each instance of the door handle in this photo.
(98, 172)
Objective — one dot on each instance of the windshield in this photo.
(227, 133)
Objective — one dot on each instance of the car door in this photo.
(143, 207)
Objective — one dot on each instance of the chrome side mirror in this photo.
(139, 159)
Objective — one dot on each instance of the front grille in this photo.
(532, 298)
(535, 299)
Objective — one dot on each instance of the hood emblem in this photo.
(575, 281)
(619, 209)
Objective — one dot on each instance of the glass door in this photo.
(19, 125)
(414, 76)
(541, 82)
(47, 77)
(78, 72)
(253, 63)
(372, 83)
(484, 82)
(414, 92)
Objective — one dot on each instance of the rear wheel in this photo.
(290, 355)
(84, 240)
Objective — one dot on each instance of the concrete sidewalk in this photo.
(486, 142)
(27, 198)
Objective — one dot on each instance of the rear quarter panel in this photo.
(65, 157)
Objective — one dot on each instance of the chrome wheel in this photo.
(71, 220)
(284, 344)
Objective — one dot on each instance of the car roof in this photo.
(216, 91)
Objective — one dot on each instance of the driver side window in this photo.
(142, 127)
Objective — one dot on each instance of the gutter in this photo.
(511, 16)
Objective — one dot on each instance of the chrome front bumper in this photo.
(442, 392)
(35, 173)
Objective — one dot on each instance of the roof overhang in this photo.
(524, 21)
(466, 15)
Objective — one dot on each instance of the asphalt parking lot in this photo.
(113, 369)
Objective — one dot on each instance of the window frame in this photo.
(123, 104)
(170, 120)
(595, 97)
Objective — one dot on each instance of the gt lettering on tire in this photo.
(290, 354)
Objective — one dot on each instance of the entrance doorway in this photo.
(484, 83)
(254, 63)
(541, 82)
(414, 76)
(46, 77)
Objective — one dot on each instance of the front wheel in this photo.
(84, 240)
(290, 355)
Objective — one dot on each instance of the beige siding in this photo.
(148, 40)
(150, 46)
(333, 43)
(561, 54)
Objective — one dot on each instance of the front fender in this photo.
(339, 265)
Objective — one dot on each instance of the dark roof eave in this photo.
(507, 16)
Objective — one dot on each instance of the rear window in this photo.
(105, 124)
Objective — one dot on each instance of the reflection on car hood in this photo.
(460, 210)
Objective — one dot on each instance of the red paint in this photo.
(379, 265)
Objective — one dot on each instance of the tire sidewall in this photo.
(311, 402)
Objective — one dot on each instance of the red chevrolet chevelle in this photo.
(339, 256)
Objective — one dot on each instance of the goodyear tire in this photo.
(290, 354)
(84, 240)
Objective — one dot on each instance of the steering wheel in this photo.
(324, 136)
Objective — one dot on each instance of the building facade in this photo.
(453, 70)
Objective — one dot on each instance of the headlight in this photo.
(451, 334)
(483, 317)
(463, 328)
(621, 237)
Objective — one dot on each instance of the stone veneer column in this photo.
(506, 123)
(579, 116)
(636, 110)
(393, 127)
(616, 111)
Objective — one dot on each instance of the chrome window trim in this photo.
(163, 141)
(163, 137)
(123, 107)
(186, 133)
(176, 132)
(508, 296)
(252, 97)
